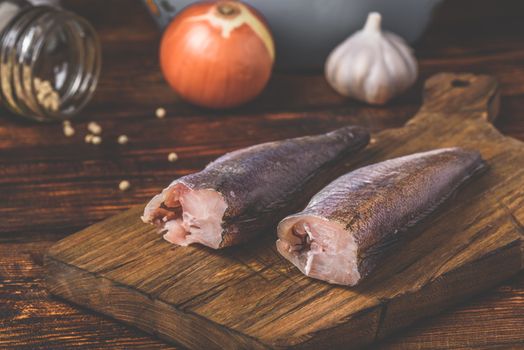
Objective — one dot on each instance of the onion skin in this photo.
(217, 54)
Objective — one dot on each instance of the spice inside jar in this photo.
(49, 61)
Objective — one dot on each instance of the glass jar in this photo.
(49, 61)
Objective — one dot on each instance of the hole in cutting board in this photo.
(459, 83)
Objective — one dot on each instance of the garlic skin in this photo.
(371, 65)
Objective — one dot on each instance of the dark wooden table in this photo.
(52, 186)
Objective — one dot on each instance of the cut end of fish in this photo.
(187, 215)
(320, 248)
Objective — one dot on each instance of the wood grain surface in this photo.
(250, 297)
(52, 186)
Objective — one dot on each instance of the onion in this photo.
(217, 54)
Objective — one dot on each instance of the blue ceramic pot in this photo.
(306, 31)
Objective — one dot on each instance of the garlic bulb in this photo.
(371, 65)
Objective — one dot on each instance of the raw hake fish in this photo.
(245, 191)
(345, 228)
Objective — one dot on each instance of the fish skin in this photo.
(263, 183)
(375, 202)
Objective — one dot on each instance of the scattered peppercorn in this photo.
(96, 140)
(95, 128)
(123, 139)
(160, 113)
(124, 185)
(172, 157)
(68, 128)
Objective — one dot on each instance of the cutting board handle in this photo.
(472, 95)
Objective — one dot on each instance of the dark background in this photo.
(52, 186)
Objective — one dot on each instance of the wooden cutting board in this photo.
(250, 297)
